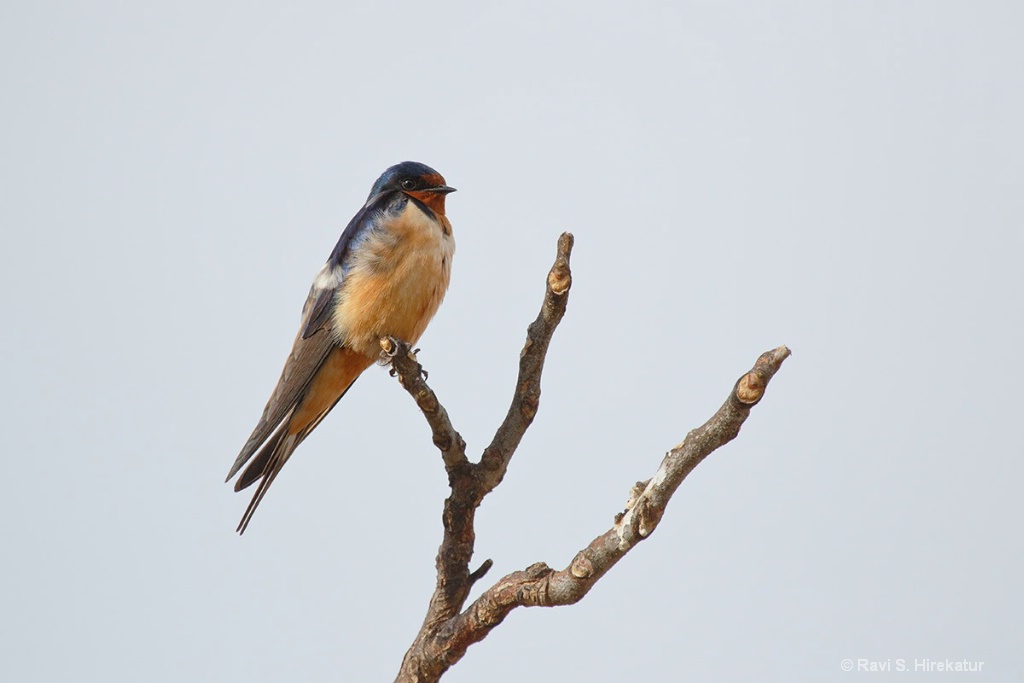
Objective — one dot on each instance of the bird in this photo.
(386, 277)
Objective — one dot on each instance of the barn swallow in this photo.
(386, 277)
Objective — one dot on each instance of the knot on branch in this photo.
(427, 401)
(531, 403)
(527, 587)
(442, 442)
(533, 590)
(750, 387)
(537, 570)
(635, 493)
(582, 567)
(560, 276)
(528, 343)
(647, 517)
(641, 516)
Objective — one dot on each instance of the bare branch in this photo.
(453, 578)
(541, 586)
(470, 482)
(414, 380)
(526, 400)
(447, 629)
(481, 571)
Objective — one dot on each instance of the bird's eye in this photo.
(408, 184)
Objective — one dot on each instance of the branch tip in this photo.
(481, 571)
(560, 276)
(751, 386)
(565, 242)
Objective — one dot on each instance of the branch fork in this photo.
(449, 627)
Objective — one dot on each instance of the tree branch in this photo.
(526, 401)
(448, 630)
(414, 380)
(540, 586)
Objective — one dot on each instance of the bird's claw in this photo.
(389, 349)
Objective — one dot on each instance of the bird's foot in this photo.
(423, 371)
(389, 348)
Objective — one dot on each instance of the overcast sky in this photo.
(843, 178)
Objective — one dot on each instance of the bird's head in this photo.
(416, 180)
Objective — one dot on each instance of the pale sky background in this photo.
(843, 178)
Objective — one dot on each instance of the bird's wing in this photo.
(316, 337)
(308, 354)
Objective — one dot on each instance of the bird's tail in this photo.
(332, 381)
(265, 466)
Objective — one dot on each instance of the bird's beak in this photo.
(442, 189)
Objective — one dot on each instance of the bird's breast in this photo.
(396, 278)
